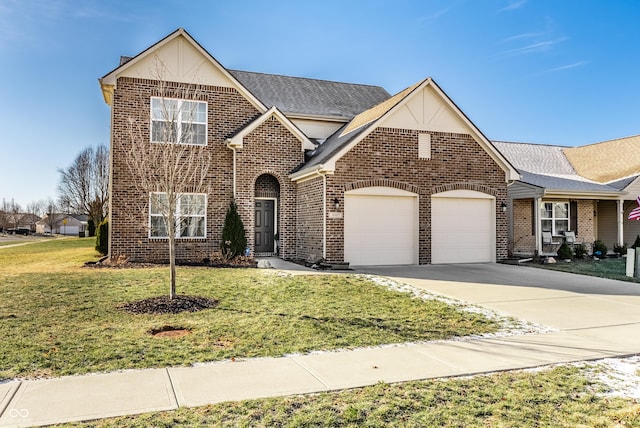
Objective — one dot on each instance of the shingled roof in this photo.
(311, 97)
(607, 161)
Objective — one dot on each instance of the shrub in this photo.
(565, 252)
(599, 248)
(102, 237)
(636, 244)
(620, 249)
(580, 251)
(234, 240)
(92, 227)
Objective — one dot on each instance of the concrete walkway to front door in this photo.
(593, 319)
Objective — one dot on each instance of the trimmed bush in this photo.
(599, 249)
(580, 251)
(565, 252)
(102, 237)
(234, 240)
(620, 249)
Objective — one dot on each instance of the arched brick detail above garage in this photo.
(381, 182)
(476, 187)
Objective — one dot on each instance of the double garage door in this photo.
(381, 227)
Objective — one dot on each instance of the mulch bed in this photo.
(165, 305)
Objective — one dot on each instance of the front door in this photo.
(264, 227)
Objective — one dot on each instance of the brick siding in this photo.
(390, 156)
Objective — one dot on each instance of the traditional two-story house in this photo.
(340, 171)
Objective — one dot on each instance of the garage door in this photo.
(462, 227)
(380, 227)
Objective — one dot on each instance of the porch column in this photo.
(620, 204)
(537, 203)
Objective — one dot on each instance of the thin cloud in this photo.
(523, 36)
(513, 5)
(537, 47)
(568, 66)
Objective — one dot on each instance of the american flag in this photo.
(635, 213)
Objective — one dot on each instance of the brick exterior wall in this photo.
(524, 240)
(391, 156)
(309, 229)
(387, 157)
(586, 222)
(269, 149)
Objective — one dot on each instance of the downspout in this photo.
(318, 172)
(324, 216)
(538, 222)
(620, 205)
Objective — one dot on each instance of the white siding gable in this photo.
(426, 111)
(181, 62)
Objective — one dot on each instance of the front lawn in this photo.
(559, 397)
(59, 318)
(605, 268)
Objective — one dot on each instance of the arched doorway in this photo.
(267, 197)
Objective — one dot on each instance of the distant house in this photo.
(588, 190)
(21, 221)
(63, 224)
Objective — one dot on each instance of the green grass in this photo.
(605, 268)
(58, 318)
(559, 397)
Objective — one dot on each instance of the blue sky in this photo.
(543, 71)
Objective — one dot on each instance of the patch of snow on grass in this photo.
(620, 376)
(511, 326)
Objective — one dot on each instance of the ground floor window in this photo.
(190, 215)
(555, 217)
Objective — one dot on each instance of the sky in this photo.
(539, 71)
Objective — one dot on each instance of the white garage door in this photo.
(380, 227)
(462, 227)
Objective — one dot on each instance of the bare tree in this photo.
(52, 216)
(84, 186)
(166, 153)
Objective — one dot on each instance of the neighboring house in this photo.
(22, 221)
(63, 224)
(589, 190)
(338, 171)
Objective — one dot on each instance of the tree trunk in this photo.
(172, 255)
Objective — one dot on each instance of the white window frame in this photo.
(178, 119)
(178, 216)
(554, 219)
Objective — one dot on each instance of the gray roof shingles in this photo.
(303, 96)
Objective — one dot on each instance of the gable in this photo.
(425, 111)
(176, 58)
(633, 189)
(180, 62)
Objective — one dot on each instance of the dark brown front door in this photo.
(264, 228)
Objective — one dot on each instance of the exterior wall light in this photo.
(504, 207)
(336, 202)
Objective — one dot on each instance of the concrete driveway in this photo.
(563, 301)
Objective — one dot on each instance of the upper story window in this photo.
(555, 217)
(190, 215)
(178, 121)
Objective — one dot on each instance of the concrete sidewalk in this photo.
(589, 327)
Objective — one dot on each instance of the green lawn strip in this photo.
(558, 397)
(605, 268)
(59, 319)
